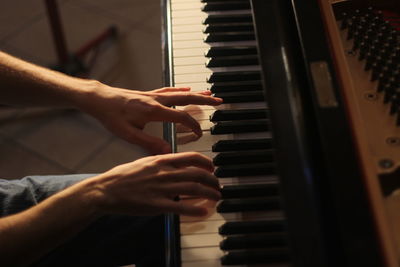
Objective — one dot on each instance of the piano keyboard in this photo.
(214, 47)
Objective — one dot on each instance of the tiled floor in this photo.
(57, 141)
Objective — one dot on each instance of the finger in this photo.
(178, 116)
(153, 144)
(192, 175)
(206, 92)
(181, 208)
(171, 89)
(187, 159)
(193, 190)
(183, 99)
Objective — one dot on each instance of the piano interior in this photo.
(307, 143)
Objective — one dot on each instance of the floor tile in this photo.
(67, 140)
(79, 26)
(17, 162)
(28, 120)
(135, 14)
(117, 152)
(16, 15)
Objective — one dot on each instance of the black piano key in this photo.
(243, 157)
(249, 190)
(245, 170)
(231, 18)
(239, 114)
(232, 61)
(263, 256)
(228, 27)
(252, 227)
(221, 51)
(234, 76)
(231, 127)
(236, 86)
(241, 97)
(248, 204)
(229, 36)
(239, 145)
(226, 5)
(254, 241)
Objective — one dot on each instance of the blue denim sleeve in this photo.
(19, 195)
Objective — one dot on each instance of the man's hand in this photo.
(148, 186)
(126, 112)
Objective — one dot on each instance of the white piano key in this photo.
(197, 113)
(188, 61)
(197, 254)
(207, 140)
(187, 36)
(188, 28)
(195, 87)
(201, 68)
(193, 77)
(193, 20)
(188, 13)
(217, 263)
(206, 263)
(189, 52)
(200, 227)
(234, 217)
(187, 5)
(201, 44)
(230, 106)
(196, 241)
(205, 125)
(174, 2)
(248, 180)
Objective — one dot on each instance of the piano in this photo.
(307, 142)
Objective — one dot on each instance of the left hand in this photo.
(126, 112)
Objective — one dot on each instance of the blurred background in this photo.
(59, 141)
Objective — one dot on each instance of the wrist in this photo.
(85, 196)
(85, 94)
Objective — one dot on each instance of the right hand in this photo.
(149, 186)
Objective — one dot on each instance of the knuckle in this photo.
(151, 166)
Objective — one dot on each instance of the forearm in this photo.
(25, 84)
(27, 236)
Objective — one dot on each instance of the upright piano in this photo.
(307, 142)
